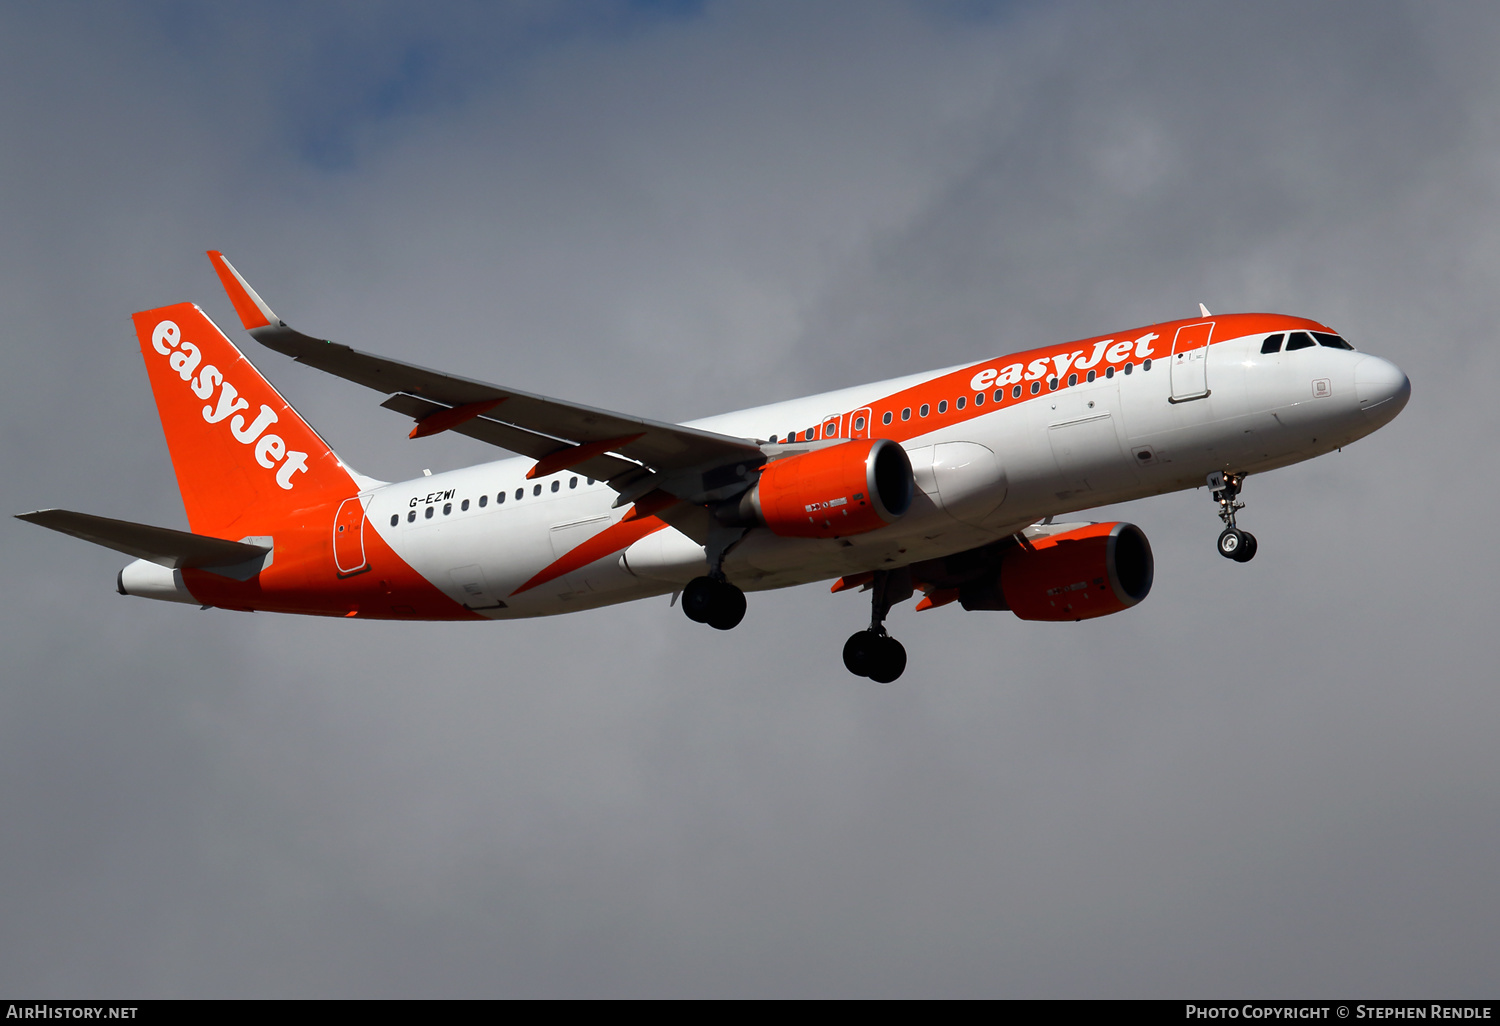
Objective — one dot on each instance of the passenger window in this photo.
(520, 492)
(499, 498)
(978, 398)
(943, 406)
(411, 516)
(999, 394)
(1092, 375)
(1015, 393)
(886, 417)
(588, 480)
(572, 482)
(395, 519)
(1109, 372)
(1146, 364)
(1052, 384)
(1036, 386)
(1129, 367)
(959, 403)
(925, 410)
(1299, 340)
(1331, 341)
(906, 413)
(536, 489)
(1272, 344)
(1072, 380)
(447, 508)
(556, 485)
(484, 500)
(859, 423)
(465, 506)
(830, 429)
(428, 514)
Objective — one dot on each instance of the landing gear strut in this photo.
(712, 599)
(1234, 544)
(872, 652)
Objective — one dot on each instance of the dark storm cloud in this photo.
(1276, 778)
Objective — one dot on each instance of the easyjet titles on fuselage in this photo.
(1108, 349)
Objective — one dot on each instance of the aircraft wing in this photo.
(634, 455)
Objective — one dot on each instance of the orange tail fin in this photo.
(239, 449)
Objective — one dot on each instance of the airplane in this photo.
(947, 482)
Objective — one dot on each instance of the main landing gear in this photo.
(1234, 544)
(714, 601)
(872, 652)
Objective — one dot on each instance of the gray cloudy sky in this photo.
(1277, 779)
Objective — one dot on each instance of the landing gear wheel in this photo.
(858, 651)
(728, 609)
(698, 598)
(1247, 548)
(889, 660)
(1233, 543)
(717, 603)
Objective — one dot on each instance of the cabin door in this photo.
(1190, 361)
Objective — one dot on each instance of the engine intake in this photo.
(845, 489)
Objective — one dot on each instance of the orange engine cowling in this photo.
(844, 489)
(1077, 575)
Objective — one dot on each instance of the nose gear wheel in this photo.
(1237, 545)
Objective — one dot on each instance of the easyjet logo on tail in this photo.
(269, 449)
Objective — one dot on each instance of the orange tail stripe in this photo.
(612, 539)
(445, 419)
(562, 459)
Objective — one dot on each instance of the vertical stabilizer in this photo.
(238, 447)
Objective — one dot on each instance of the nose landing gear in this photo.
(872, 652)
(1234, 544)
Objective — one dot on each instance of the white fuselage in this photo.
(979, 477)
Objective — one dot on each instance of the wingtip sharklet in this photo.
(252, 310)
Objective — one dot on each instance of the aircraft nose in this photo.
(1382, 388)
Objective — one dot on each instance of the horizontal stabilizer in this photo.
(175, 550)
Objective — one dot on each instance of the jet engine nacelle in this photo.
(844, 489)
(1090, 571)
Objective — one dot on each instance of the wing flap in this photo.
(517, 439)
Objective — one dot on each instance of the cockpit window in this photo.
(1272, 344)
(1331, 341)
(1300, 340)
